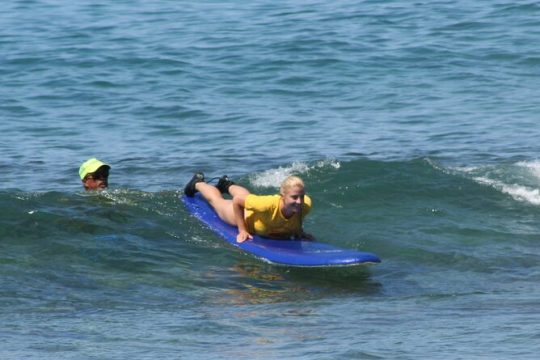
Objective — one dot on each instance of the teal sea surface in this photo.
(415, 126)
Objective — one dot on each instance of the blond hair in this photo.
(289, 183)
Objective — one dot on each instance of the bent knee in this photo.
(227, 214)
(224, 209)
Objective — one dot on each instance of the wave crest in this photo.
(273, 177)
(520, 180)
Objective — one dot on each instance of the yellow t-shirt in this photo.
(264, 217)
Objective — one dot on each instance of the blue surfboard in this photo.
(302, 253)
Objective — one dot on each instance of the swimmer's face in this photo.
(293, 199)
(97, 180)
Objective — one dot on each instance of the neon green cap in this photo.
(90, 166)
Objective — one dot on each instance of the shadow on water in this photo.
(260, 283)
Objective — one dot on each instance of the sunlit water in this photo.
(414, 126)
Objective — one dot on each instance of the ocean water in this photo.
(414, 125)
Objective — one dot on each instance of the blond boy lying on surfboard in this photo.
(277, 216)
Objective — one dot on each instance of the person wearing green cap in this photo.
(94, 174)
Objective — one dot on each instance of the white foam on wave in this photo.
(517, 192)
(466, 169)
(532, 166)
(274, 177)
(520, 180)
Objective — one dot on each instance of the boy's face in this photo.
(293, 199)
